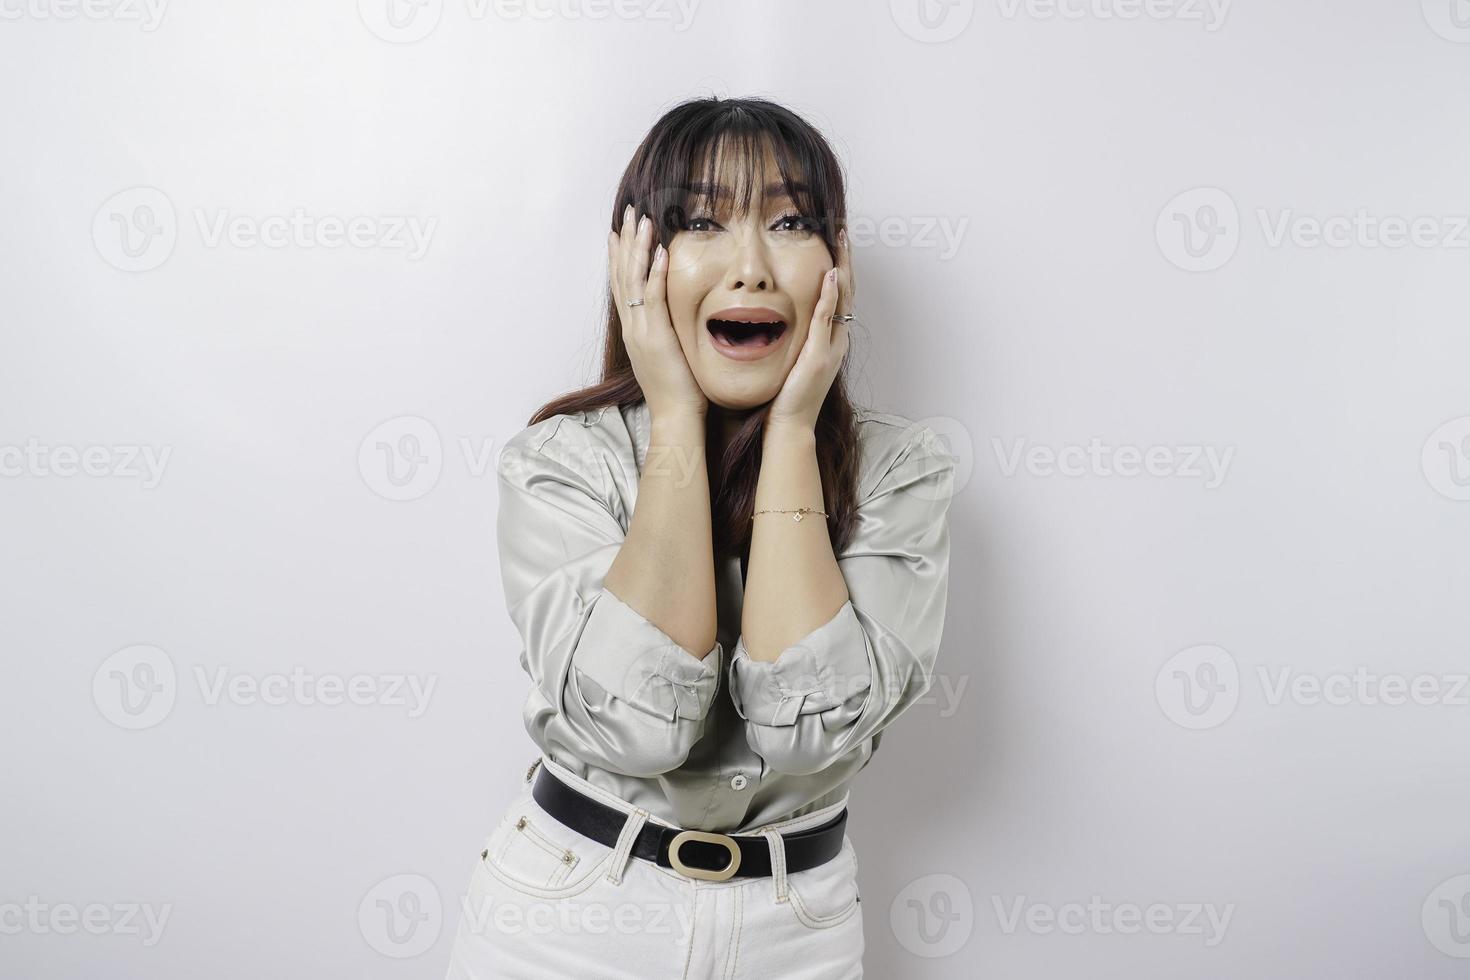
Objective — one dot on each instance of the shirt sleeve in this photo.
(610, 687)
(852, 676)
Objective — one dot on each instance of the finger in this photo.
(625, 248)
(639, 259)
(613, 275)
(653, 293)
(840, 338)
(838, 342)
(821, 328)
(845, 280)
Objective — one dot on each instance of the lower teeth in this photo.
(748, 338)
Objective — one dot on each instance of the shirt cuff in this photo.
(638, 663)
(824, 670)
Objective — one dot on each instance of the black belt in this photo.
(694, 853)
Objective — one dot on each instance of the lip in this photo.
(747, 314)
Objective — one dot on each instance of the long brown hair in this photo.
(657, 182)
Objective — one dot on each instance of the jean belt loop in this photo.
(778, 861)
(622, 853)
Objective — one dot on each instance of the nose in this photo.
(750, 266)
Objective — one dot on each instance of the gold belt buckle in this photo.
(704, 873)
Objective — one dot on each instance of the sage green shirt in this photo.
(725, 743)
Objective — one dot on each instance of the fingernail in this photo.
(658, 253)
(832, 274)
(842, 237)
(627, 214)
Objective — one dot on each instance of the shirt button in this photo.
(739, 781)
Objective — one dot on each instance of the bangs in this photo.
(699, 150)
(740, 158)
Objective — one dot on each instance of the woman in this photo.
(728, 582)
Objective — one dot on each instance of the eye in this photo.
(803, 224)
(692, 223)
(799, 223)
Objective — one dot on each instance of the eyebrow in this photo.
(774, 189)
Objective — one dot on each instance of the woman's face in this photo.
(723, 264)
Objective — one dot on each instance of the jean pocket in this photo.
(536, 854)
(826, 895)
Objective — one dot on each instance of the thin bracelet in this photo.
(798, 513)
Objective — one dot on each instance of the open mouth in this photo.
(740, 333)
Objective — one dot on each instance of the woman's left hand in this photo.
(800, 399)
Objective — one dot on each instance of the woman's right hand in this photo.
(653, 347)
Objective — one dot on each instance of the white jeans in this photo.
(546, 902)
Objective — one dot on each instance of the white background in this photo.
(1115, 732)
